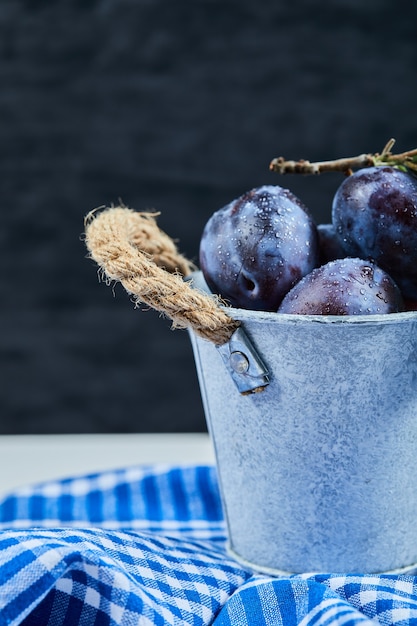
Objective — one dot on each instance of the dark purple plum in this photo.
(375, 215)
(410, 305)
(330, 245)
(348, 286)
(256, 248)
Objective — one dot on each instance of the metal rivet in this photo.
(239, 362)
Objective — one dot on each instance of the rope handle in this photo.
(130, 248)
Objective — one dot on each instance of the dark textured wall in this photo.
(179, 107)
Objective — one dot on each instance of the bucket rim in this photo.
(272, 317)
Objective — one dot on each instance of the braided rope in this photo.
(130, 248)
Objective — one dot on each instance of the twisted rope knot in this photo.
(130, 248)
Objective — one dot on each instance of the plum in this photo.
(375, 215)
(330, 245)
(257, 247)
(349, 286)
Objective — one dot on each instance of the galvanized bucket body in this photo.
(319, 471)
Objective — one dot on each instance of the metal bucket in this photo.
(318, 472)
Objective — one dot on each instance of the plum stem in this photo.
(404, 161)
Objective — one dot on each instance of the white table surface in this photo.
(27, 459)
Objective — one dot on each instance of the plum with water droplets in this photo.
(257, 247)
(349, 286)
(375, 215)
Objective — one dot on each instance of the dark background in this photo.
(176, 106)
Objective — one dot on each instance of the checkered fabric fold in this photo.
(146, 545)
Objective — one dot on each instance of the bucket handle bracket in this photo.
(243, 363)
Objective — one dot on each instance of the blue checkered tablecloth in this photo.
(146, 545)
